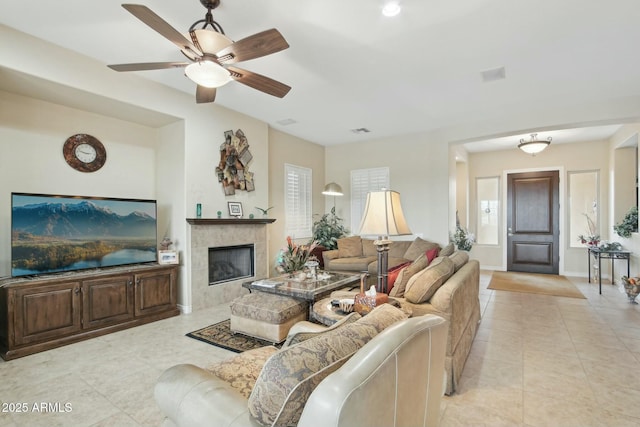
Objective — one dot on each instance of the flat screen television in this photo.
(51, 233)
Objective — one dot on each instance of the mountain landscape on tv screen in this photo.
(60, 236)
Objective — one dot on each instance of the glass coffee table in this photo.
(309, 289)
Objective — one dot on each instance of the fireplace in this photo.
(227, 263)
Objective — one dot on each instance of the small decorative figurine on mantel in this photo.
(265, 212)
(164, 245)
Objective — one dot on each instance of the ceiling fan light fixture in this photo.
(210, 41)
(534, 146)
(207, 74)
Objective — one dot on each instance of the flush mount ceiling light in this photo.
(391, 8)
(534, 146)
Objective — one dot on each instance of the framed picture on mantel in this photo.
(168, 257)
(235, 209)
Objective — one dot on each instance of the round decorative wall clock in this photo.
(84, 153)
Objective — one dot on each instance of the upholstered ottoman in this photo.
(266, 316)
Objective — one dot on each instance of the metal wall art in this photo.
(233, 169)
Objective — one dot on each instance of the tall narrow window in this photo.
(297, 190)
(583, 207)
(488, 208)
(362, 182)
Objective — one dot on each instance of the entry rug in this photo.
(546, 284)
(221, 336)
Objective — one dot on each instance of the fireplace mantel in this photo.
(226, 221)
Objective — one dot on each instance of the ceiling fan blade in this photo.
(255, 46)
(149, 17)
(259, 82)
(205, 94)
(145, 66)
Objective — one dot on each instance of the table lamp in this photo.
(383, 217)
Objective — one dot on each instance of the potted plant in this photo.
(463, 239)
(328, 229)
(629, 224)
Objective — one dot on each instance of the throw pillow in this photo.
(423, 285)
(431, 254)
(368, 248)
(393, 275)
(418, 247)
(242, 371)
(349, 247)
(447, 250)
(459, 259)
(289, 376)
(405, 274)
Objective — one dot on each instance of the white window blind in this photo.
(297, 190)
(362, 182)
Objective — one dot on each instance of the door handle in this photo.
(509, 232)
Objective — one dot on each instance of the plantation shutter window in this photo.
(362, 182)
(298, 215)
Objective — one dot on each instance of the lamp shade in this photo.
(332, 189)
(383, 215)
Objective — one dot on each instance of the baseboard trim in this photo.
(185, 309)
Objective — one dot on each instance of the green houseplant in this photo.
(629, 223)
(328, 229)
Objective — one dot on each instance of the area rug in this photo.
(221, 336)
(546, 284)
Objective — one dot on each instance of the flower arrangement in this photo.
(463, 239)
(294, 257)
(593, 238)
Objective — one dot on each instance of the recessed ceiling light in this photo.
(391, 8)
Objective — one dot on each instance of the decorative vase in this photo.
(313, 268)
(632, 288)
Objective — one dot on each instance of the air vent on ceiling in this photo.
(493, 74)
(286, 122)
(360, 130)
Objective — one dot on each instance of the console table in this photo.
(598, 254)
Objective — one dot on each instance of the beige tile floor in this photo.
(536, 361)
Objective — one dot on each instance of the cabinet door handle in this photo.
(130, 283)
(76, 291)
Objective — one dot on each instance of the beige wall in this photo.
(623, 146)
(419, 171)
(284, 148)
(562, 157)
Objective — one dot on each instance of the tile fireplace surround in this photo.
(205, 233)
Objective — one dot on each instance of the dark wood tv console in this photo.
(42, 313)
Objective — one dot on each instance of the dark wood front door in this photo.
(533, 211)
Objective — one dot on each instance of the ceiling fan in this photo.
(210, 53)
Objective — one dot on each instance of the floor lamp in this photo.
(333, 189)
(383, 217)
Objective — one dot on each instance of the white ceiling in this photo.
(351, 68)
